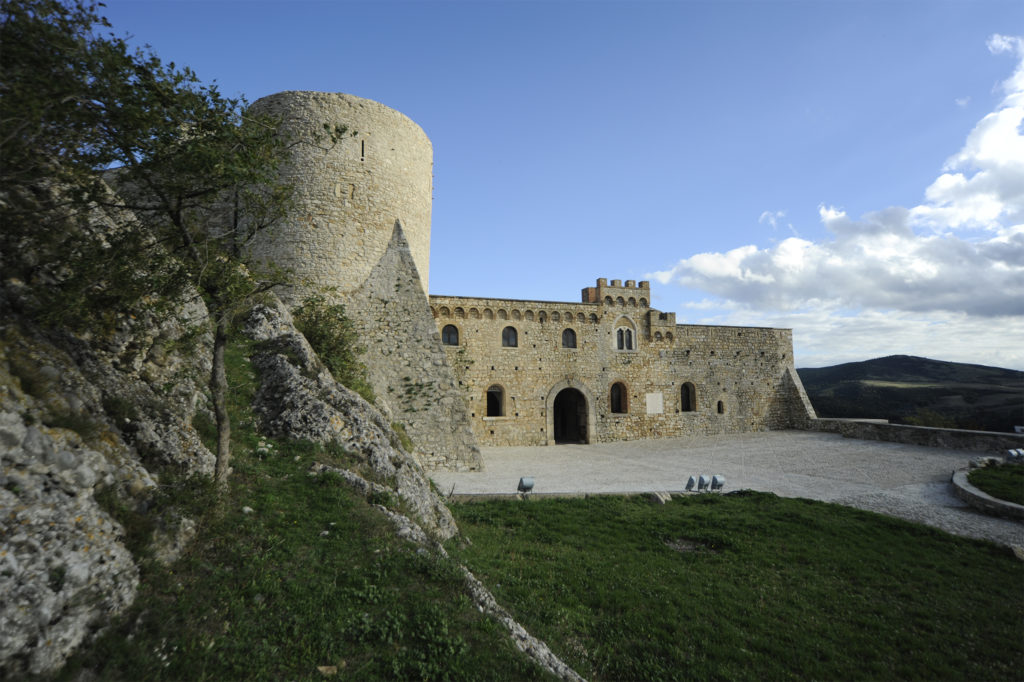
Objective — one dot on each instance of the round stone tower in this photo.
(348, 194)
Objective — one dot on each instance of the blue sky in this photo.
(852, 170)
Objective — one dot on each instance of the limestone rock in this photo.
(298, 398)
(79, 415)
(64, 569)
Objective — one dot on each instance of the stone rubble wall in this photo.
(347, 194)
(749, 370)
(993, 442)
(407, 365)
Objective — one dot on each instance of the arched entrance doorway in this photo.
(570, 416)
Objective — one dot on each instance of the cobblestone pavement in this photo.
(907, 481)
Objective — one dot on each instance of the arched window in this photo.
(721, 407)
(495, 401)
(688, 398)
(624, 338)
(450, 335)
(619, 398)
(568, 339)
(509, 337)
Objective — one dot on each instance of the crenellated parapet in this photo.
(632, 295)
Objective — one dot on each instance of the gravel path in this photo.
(907, 481)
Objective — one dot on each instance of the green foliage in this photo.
(334, 338)
(747, 587)
(403, 436)
(195, 177)
(1003, 481)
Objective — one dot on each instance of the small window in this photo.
(568, 339)
(509, 337)
(688, 398)
(721, 407)
(450, 335)
(624, 339)
(619, 398)
(495, 401)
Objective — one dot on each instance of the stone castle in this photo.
(461, 372)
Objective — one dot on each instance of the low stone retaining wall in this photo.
(981, 500)
(991, 442)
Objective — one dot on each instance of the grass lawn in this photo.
(1005, 481)
(748, 586)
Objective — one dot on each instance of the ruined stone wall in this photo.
(348, 195)
(406, 364)
(749, 371)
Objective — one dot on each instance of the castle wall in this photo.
(348, 195)
(748, 370)
(406, 364)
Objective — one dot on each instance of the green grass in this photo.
(748, 587)
(313, 577)
(1005, 481)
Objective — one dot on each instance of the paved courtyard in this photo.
(908, 481)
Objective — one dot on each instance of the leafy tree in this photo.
(126, 182)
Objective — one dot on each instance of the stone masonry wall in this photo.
(406, 364)
(348, 195)
(749, 371)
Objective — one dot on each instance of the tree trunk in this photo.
(219, 392)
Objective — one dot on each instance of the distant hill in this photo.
(909, 390)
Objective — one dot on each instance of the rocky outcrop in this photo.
(298, 398)
(81, 416)
(63, 568)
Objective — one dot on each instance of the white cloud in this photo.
(771, 217)
(774, 218)
(945, 277)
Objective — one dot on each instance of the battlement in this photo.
(632, 294)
